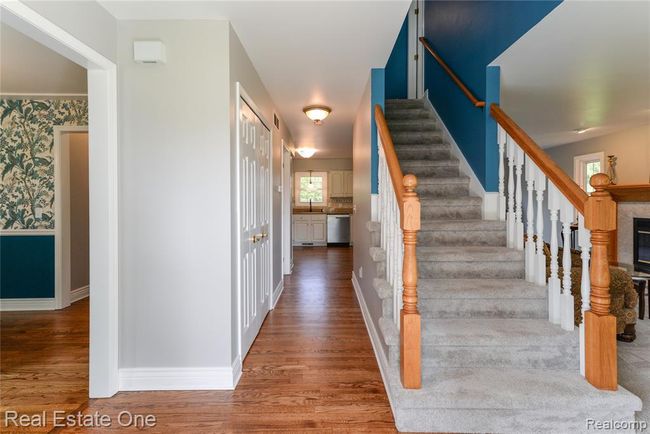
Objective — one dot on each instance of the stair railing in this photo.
(596, 216)
(399, 215)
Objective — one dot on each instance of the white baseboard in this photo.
(79, 293)
(17, 304)
(219, 378)
(277, 292)
(375, 340)
(490, 199)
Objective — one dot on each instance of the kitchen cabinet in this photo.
(309, 230)
(340, 183)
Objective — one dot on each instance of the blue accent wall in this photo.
(377, 96)
(469, 35)
(27, 266)
(397, 65)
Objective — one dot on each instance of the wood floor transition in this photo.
(311, 369)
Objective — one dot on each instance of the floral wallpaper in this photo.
(26, 159)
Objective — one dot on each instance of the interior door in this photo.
(255, 211)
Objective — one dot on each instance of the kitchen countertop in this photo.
(340, 211)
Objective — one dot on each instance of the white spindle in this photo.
(519, 224)
(584, 240)
(554, 200)
(501, 139)
(540, 259)
(530, 216)
(510, 217)
(391, 233)
(566, 304)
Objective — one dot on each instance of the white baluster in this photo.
(510, 217)
(540, 259)
(501, 139)
(554, 199)
(584, 240)
(519, 224)
(530, 216)
(566, 304)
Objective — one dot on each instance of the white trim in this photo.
(375, 340)
(287, 185)
(218, 378)
(103, 207)
(60, 152)
(578, 166)
(277, 292)
(415, 68)
(19, 304)
(27, 232)
(490, 210)
(79, 293)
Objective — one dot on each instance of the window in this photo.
(585, 166)
(311, 186)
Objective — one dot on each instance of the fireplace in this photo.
(642, 245)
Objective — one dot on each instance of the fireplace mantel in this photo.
(630, 192)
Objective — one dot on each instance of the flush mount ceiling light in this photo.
(306, 152)
(582, 130)
(317, 113)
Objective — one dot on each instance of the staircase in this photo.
(491, 360)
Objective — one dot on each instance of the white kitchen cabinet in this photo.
(309, 230)
(340, 182)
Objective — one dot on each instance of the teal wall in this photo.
(469, 35)
(396, 86)
(26, 266)
(377, 96)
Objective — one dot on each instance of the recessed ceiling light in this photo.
(306, 152)
(317, 113)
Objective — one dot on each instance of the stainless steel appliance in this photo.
(338, 229)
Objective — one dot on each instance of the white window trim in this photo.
(296, 181)
(579, 164)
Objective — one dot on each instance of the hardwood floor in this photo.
(311, 369)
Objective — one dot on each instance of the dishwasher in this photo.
(338, 229)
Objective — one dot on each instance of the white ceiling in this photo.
(586, 64)
(306, 52)
(27, 67)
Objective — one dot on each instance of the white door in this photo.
(255, 210)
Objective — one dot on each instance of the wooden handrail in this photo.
(409, 208)
(562, 181)
(475, 101)
(394, 168)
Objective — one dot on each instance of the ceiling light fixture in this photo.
(582, 130)
(306, 152)
(317, 113)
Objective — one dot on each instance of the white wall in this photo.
(242, 70)
(174, 198)
(362, 201)
(321, 164)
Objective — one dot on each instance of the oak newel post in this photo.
(409, 316)
(600, 324)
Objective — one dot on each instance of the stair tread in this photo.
(450, 200)
(508, 389)
(479, 289)
(495, 332)
(469, 253)
(462, 225)
(429, 163)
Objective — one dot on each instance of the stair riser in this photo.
(443, 190)
(407, 114)
(450, 212)
(471, 270)
(483, 308)
(421, 125)
(396, 104)
(442, 171)
(387, 307)
(462, 238)
(405, 137)
(405, 154)
(535, 357)
(552, 420)
(375, 239)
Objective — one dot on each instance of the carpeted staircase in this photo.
(491, 361)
